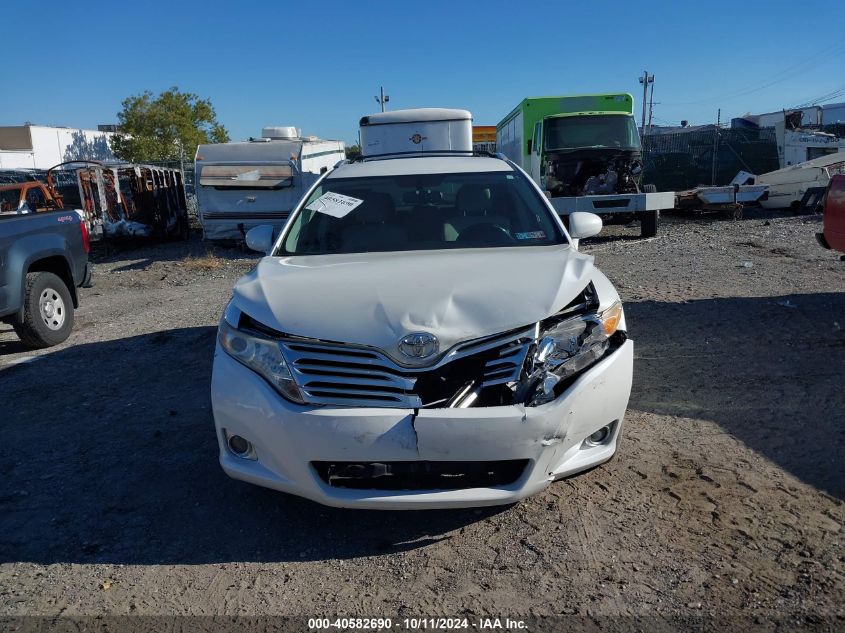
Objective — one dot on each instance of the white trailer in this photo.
(788, 186)
(418, 130)
(242, 185)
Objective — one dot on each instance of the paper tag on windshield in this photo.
(334, 204)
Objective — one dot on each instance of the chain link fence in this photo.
(683, 160)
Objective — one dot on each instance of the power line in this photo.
(782, 75)
(826, 97)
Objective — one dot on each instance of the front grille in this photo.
(337, 374)
(420, 475)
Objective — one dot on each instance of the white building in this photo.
(825, 114)
(833, 113)
(41, 147)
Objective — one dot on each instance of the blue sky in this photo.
(318, 65)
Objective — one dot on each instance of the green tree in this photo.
(352, 151)
(166, 127)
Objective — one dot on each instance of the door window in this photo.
(35, 200)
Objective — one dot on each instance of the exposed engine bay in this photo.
(565, 345)
(593, 171)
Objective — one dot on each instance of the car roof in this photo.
(406, 166)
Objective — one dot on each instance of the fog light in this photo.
(599, 437)
(240, 446)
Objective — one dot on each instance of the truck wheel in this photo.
(47, 311)
(649, 220)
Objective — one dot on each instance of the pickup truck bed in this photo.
(43, 259)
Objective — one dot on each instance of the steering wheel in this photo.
(493, 234)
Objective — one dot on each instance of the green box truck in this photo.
(585, 151)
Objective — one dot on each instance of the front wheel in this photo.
(47, 311)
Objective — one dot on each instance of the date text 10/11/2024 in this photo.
(415, 624)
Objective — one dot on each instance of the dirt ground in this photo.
(725, 500)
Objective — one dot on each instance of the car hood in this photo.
(376, 299)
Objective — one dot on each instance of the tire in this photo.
(649, 219)
(47, 311)
(649, 222)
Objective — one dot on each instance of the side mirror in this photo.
(260, 238)
(582, 225)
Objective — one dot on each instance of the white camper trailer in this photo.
(418, 130)
(242, 185)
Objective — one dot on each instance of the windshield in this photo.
(421, 212)
(601, 130)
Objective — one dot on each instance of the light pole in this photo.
(645, 80)
(383, 99)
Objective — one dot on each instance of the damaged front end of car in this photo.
(568, 343)
(528, 366)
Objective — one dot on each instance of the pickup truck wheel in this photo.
(649, 222)
(47, 311)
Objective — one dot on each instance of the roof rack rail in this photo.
(423, 154)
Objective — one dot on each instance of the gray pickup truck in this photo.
(43, 259)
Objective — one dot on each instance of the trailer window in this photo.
(246, 176)
(421, 212)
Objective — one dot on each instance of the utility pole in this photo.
(715, 147)
(383, 98)
(645, 80)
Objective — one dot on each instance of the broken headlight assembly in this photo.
(262, 355)
(565, 347)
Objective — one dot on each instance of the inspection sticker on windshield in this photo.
(334, 204)
(531, 235)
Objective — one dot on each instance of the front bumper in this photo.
(289, 437)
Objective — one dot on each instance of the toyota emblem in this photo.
(419, 345)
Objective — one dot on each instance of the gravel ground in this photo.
(725, 499)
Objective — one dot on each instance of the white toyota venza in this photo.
(423, 333)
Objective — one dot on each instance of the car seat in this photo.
(475, 204)
(374, 225)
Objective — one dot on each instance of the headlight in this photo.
(568, 346)
(262, 355)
